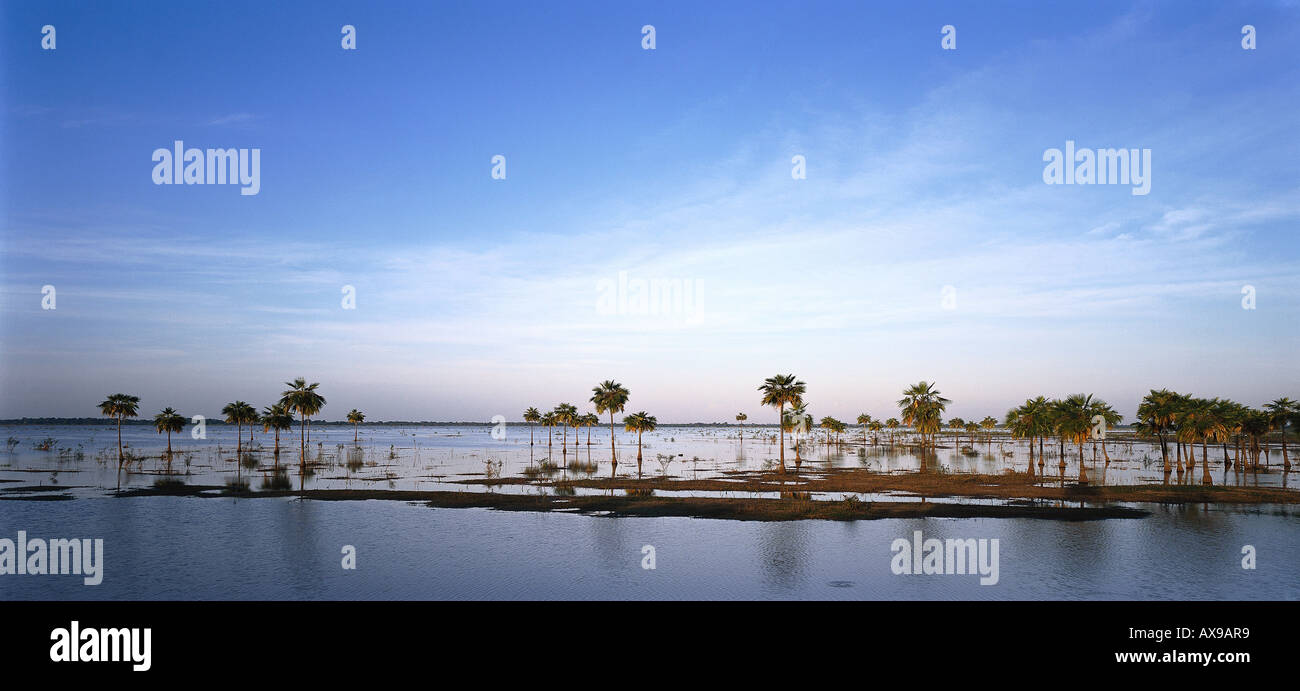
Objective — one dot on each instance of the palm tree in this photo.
(740, 419)
(798, 421)
(549, 422)
(356, 417)
(1110, 418)
(921, 406)
(301, 398)
(875, 426)
(589, 420)
(1073, 422)
(168, 421)
(1280, 412)
(1155, 415)
(1020, 425)
(639, 422)
(564, 415)
(988, 424)
(1255, 424)
(610, 397)
(778, 391)
(892, 423)
(530, 416)
(118, 406)
(957, 425)
(865, 421)
(237, 414)
(276, 417)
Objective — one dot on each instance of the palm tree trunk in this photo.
(613, 455)
(1205, 466)
(169, 446)
(780, 425)
(239, 440)
(355, 431)
(302, 440)
(119, 441)
(1083, 473)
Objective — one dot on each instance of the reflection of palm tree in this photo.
(168, 421)
(610, 397)
(639, 422)
(530, 416)
(356, 417)
(118, 406)
(779, 391)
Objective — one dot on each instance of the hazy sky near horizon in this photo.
(477, 297)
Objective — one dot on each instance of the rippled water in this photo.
(276, 548)
(192, 548)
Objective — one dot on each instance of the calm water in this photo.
(223, 548)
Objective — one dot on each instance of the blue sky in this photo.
(477, 297)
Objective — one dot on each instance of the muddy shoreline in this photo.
(1018, 495)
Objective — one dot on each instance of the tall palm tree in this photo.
(530, 416)
(956, 425)
(1280, 411)
(1073, 423)
(740, 419)
(610, 397)
(549, 422)
(799, 422)
(302, 398)
(639, 422)
(590, 420)
(356, 417)
(864, 420)
(988, 424)
(237, 414)
(921, 406)
(1019, 425)
(276, 417)
(118, 406)
(1155, 415)
(892, 423)
(1109, 416)
(168, 421)
(779, 391)
(564, 415)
